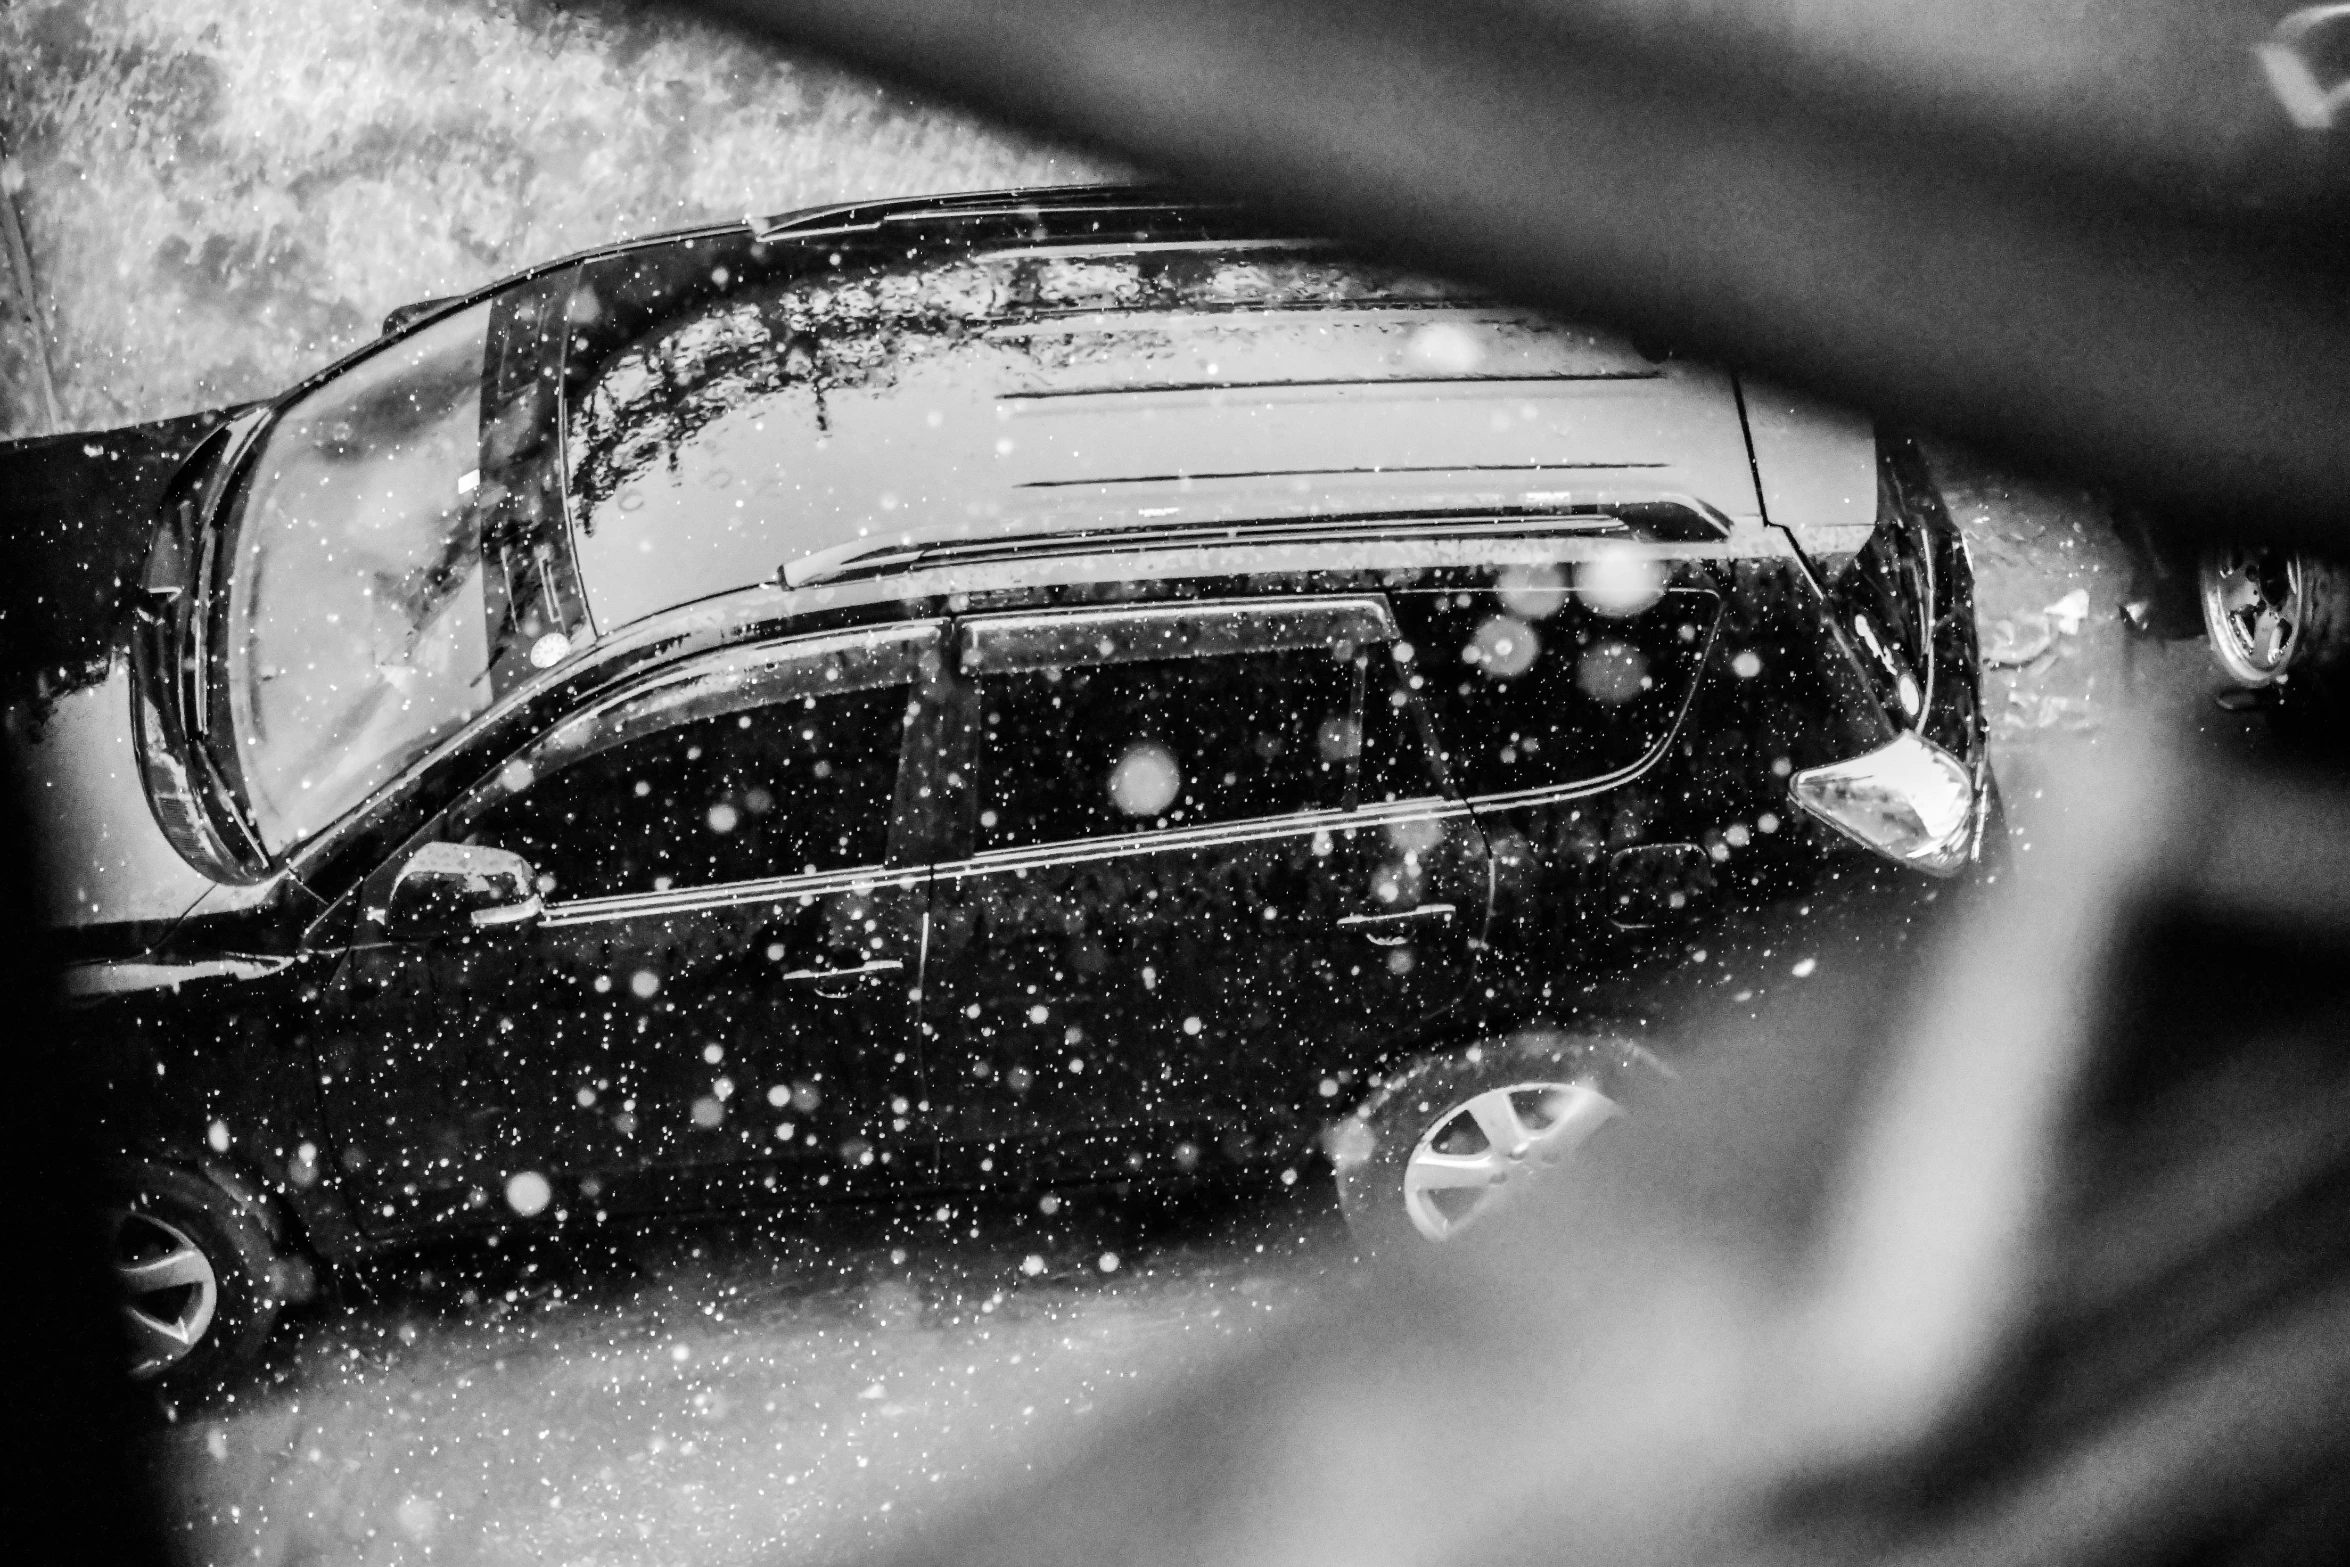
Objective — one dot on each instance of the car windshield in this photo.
(356, 633)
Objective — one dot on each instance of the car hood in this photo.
(77, 513)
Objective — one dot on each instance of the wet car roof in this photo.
(1039, 390)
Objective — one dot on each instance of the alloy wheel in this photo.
(2252, 607)
(1484, 1151)
(169, 1291)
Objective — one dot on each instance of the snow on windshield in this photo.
(357, 633)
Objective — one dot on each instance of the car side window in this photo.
(1090, 751)
(795, 786)
(1538, 683)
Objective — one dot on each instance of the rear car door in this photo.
(713, 1009)
(1556, 694)
(1204, 864)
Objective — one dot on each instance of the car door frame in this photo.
(355, 917)
(954, 754)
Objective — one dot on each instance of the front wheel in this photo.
(197, 1275)
(1452, 1140)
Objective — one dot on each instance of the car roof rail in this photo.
(1016, 201)
(1668, 518)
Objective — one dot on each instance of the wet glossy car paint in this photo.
(1172, 1006)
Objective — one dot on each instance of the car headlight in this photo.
(1910, 801)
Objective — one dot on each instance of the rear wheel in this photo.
(197, 1275)
(1455, 1139)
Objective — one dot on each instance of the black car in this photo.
(1023, 692)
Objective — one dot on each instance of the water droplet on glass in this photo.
(1146, 779)
(1503, 648)
(1620, 581)
(528, 1193)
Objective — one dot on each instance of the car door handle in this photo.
(1376, 926)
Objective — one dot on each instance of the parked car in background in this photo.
(2279, 624)
(2277, 621)
(1012, 693)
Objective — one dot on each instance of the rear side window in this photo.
(789, 788)
(1544, 681)
(1091, 751)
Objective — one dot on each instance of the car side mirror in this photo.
(448, 889)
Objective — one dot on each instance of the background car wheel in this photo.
(198, 1277)
(2279, 623)
(2254, 611)
(1450, 1141)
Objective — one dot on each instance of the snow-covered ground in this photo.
(714, 1399)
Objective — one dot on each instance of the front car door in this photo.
(1206, 866)
(712, 1009)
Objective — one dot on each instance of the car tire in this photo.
(1408, 1161)
(199, 1279)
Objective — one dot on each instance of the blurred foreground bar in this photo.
(2052, 1262)
(2089, 238)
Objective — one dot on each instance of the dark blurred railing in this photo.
(2085, 237)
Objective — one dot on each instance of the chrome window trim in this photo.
(695, 900)
(1256, 829)
(734, 671)
(974, 634)
(1552, 794)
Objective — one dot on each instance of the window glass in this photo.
(1086, 752)
(1538, 682)
(356, 632)
(1399, 753)
(784, 789)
